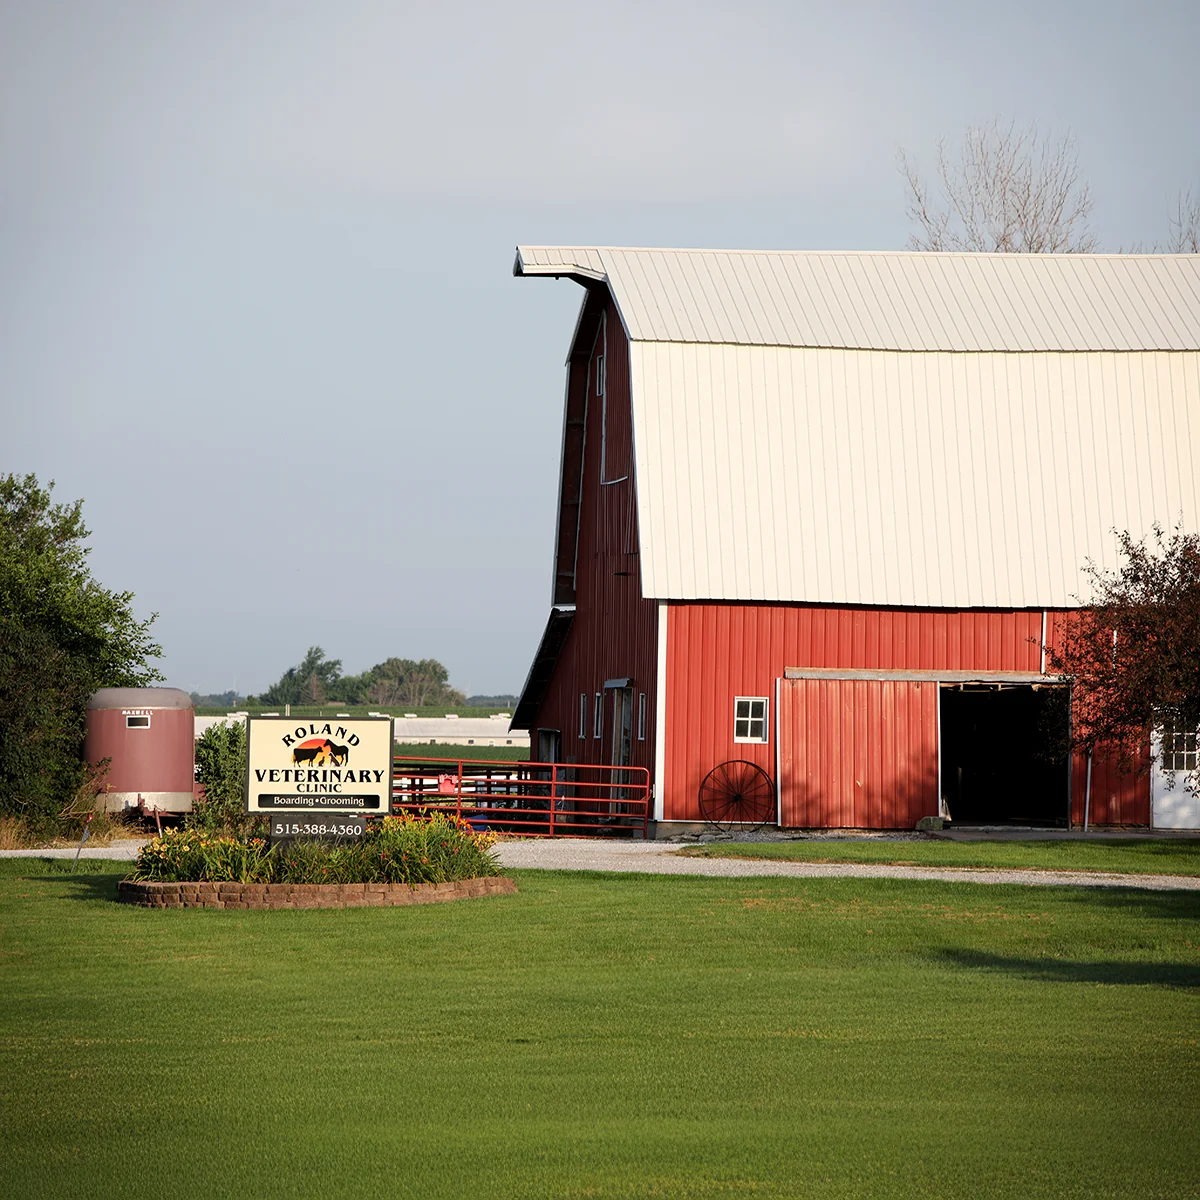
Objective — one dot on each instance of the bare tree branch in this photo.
(1007, 190)
(1184, 225)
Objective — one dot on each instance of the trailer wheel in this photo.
(737, 793)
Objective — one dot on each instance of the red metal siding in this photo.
(614, 635)
(1118, 797)
(857, 753)
(718, 651)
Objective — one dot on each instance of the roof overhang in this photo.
(558, 626)
(566, 269)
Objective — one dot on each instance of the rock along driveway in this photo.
(661, 858)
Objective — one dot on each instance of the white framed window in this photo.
(599, 374)
(1180, 749)
(750, 719)
(641, 716)
(598, 728)
(137, 722)
(583, 714)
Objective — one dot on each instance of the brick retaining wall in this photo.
(306, 895)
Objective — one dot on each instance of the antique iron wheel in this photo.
(737, 793)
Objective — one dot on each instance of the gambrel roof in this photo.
(925, 430)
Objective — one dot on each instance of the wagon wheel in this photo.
(737, 793)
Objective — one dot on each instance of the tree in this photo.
(62, 636)
(221, 768)
(311, 682)
(1132, 655)
(398, 681)
(1184, 224)
(1007, 189)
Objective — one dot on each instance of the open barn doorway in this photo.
(1003, 754)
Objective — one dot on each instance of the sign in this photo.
(316, 825)
(334, 767)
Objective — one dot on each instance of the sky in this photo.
(256, 300)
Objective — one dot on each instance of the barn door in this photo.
(622, 747)
(857, 753)
(1172, 805)
(549, 745)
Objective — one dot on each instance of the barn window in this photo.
(750, 718)
(137, 722)
(1179, 749)
(641, 716)
(583, 714)
(599, 722)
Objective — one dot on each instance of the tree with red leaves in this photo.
(1132, 655)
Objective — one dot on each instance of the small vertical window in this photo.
(750, 719)
(641, 716)
(599, 725)
(599, 374)
(583, 714)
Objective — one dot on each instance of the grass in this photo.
(362, 710)
(602, 1036)
(1168, 856)
(469, 753)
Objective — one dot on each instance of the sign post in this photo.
(318, 778)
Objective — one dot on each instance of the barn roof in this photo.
(902, 300)
(918, 430)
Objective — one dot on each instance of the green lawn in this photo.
(1170, 856)
(471, 753)
(602, 1035)
(362, 710)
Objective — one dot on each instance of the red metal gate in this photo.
(527, 798)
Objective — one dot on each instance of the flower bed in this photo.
(306, 895)
(401, 850)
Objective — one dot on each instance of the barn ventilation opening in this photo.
(1003, 754)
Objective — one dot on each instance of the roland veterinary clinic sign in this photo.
(342, 766)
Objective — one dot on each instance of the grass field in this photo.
(602, 1035)
(1170, 856)
(471, 753)
(363, 710)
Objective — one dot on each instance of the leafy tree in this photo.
(398, 681)
(395, 681)
(311, 682)
(221, 768)
(62, 636)
(1133, 654)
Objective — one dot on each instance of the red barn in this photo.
(820, 512)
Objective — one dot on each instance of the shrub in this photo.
(221, 768)
(404, 849)
(188, 854)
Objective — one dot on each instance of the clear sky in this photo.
(256, 303)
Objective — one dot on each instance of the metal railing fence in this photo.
(530, 799)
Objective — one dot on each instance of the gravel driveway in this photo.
(661, 858)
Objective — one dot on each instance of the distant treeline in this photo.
(393, 683)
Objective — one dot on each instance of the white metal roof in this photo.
(947, 431)
(902, 300)
(859, 477)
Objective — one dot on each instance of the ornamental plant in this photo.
(402, 849)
